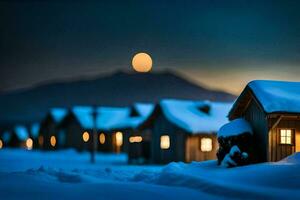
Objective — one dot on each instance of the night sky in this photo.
(220, 44)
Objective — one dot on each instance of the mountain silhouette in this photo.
(117, 89)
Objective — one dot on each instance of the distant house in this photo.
(183, 130)
(20, 138)
(5, 139)
(111, 124)
(273, 110)
(49, 137)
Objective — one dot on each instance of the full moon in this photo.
(142, 62)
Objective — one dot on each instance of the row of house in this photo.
(172, 130)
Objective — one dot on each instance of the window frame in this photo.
(169, 142)
(200, 144)
(292, 136)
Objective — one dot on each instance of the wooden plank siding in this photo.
(48, 128)
(193, 148)
(141, 150)
(257, 118)
(176, 152)
(279, 151)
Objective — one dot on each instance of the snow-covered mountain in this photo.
(117, 89)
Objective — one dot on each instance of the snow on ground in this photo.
(69, 175)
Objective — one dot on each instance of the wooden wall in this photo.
(74, 133)
(176, 152)
(47, 129)
(140, 152)
(279, 151)
(108, 144)
(258, 121)
(193, 148)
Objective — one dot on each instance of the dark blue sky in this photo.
(222, 44)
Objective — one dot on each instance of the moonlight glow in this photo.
(142, 62)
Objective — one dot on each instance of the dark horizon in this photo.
(220, 44)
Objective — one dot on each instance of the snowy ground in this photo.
(69, 175)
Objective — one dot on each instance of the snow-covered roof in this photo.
(108, 118)
(144, 109)
(235, 127)
(58, 114)
(21, 132)
(188, 115)
(277, 96)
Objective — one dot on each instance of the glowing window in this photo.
(285, 136)
(164, 142)
(53, 141)
(102, 138)
(1, 144)
(206, 144)
(85, 136)
(119, 138)
(135, 139)
(29, 143)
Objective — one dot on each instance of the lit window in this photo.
(53, 141)
(119, 138)
(1, 144)
(29, 143)
(285, 136)
(85, 136)
(136, 139)
(164, 142)
(102, 138)
(41, 140)
(206, 144)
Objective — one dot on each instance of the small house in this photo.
(49, 137)
(5, 139)
(108, 122)
(20, 138)
(273, 110)
(183, 130)
(24, 136)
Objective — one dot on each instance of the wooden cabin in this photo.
(5, 137)
(273, 110)
(49, 136)
(79, 125)
(24, 136)
(183, 130)
(20, 138)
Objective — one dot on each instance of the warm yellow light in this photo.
(285, 136)
(29, 143)
(142, 62)
(136, 139)
(41, 140)
(53, 140)
(85, 136)
(206, 144)
(164, 142)
(102, 138)
(1, 144)
(119, 138)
